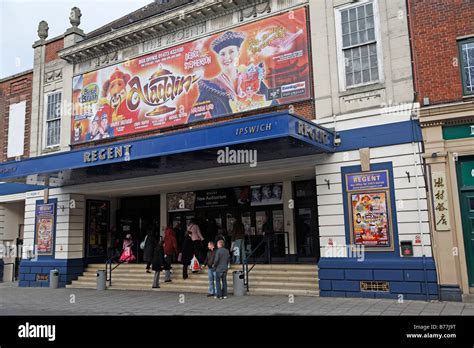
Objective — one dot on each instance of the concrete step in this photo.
(203, 277)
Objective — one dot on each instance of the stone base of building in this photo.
(412, 278)
(36, 273)
(450, 293)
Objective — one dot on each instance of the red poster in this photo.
(261, 64)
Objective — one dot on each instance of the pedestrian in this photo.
(150, 243)
(268, 235)
(127, 253)
(197, 239)
(158, 263)
(170, 244)
(238, 235)
(220, 264)
(211, 272)
(187, 253)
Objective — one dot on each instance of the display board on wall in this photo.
(45, 226)
(368, 196)
(257, 65)
(266, 194)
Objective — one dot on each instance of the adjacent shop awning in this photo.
(272, 136)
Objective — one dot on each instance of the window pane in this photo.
(374, 74)
(345, 28)
(357, 78)
(356, 65)
(363, 37)
(345, 16)
(361, 12)
(353, 26)
(354, 39)
(365, 63)
(356, 53)
(349, 80)
(369, 10)
(366, 76)
(361, 24)
(364, 51)
(371, 35)
(373, 61)
(346, 41)
(370, 22)
(352, 14)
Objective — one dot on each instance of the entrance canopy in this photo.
(271, 136)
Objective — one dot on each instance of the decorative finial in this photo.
(75, 17)
(43, 30)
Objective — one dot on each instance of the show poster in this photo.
(266, 194)
(181, 201)
(256, 65)
(370, 219)
(45, 228)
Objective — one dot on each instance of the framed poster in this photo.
(266, 194)
(370, 220)
(98, 226)
(181, 201)
(45, 225)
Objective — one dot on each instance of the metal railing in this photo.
(109, 263)
(268, 253)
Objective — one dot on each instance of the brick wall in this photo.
(304, 109)
(12, 91)
(52, 49)
(436, 26)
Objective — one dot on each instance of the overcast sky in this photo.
(19, 24)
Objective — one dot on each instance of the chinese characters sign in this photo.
(369, 210)
(257, 65)
(45, 228)
(440, 201)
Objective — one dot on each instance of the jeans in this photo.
(156, 279)
(221, 284)
(211, 275)
(239, 251)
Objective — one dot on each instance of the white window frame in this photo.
(45, 120)
(341, 66)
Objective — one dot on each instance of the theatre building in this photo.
(296, 117)
(445, 84)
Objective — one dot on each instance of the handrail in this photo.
(245, 264)
(108, 265)
(13, 269)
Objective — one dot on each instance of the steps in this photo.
(263, 279)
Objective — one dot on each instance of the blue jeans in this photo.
(211, 275)
(239, 251)
(221, 284)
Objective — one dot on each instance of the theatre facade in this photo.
(295, 112)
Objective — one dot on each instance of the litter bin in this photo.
(239, 283)
(101, 280)
(53, 279)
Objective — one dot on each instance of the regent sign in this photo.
(106, 154)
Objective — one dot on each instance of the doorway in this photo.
(306, 227)
(467, 212)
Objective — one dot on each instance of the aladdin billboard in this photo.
(257, 65)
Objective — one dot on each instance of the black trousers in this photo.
(185, 271)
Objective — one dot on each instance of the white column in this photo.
(288, 213)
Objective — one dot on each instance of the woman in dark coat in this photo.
(159, 264)
(187, 254)
(150, 244)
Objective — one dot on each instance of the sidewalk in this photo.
(44, 301)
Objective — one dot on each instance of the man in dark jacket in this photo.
(150, 244)
(159, 264)
(221, 265)
(211, 272)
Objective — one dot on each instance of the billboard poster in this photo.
(363, 181)
(370, 222)
(256, 65)
(181, 201)
(266, 194)
(45, 228)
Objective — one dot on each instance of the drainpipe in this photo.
(415, 146)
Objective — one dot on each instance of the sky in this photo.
(19, 24)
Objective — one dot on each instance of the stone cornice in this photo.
(150, 28)
(447, 114)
